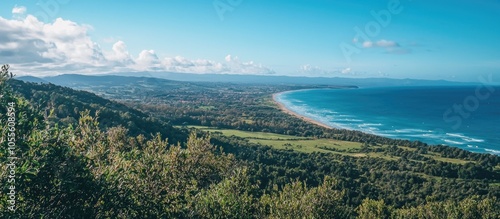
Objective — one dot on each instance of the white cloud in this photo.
(119, 53)
(230, 58)
(147, 61)
(19, 10)
(346, 70)
(63, 46)
(309, 70)
(390, 47)
(380, 43)
(367, 44)
(386, 43)
(249, 67)
(181, 64)
(43, 47)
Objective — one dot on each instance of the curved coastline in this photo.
(290, 112)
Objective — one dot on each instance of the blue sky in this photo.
(451, 40)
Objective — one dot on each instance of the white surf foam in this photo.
(453, 142)
(493, 151)
(464, 138)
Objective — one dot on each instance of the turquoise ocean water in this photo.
(466, 117)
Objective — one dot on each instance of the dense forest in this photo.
(82, 156)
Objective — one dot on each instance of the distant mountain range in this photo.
(32, 79)
(71, 80)
(75, 80)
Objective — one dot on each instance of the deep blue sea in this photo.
(466, 117)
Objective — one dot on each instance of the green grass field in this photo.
(246, 134)
(309, 145)
(286, 142)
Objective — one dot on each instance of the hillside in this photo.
(63, 105)
(257, 163)
(71, 80)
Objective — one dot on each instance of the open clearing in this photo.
(278, 141)
(309, 145)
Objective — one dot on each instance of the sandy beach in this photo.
(284, 109)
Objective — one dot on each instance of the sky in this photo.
(439, 40)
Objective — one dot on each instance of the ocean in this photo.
(467, 117)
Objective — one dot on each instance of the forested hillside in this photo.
(63, 106)
(122, 163)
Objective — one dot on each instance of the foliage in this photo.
(87, 169)
(295, 200)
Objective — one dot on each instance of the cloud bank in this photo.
(380, 43)
(310, 70)
(63, 46)
(391, 47)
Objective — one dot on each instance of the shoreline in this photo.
(283, 108)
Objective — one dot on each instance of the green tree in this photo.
(231, 198)
(295, 200)
(371, 209)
